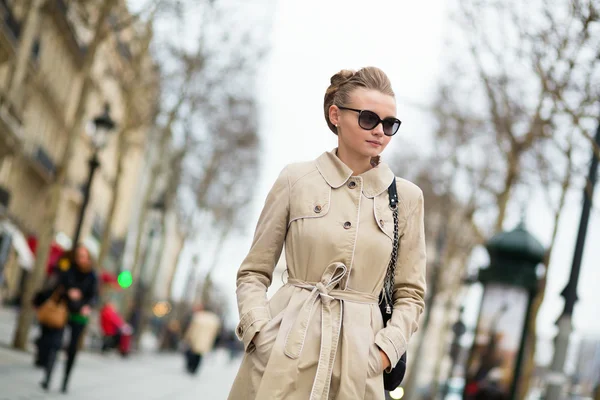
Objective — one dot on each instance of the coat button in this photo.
(240, 331)
(352, 184)
(318, 209)
(347, 225)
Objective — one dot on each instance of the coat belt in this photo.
(331, 323)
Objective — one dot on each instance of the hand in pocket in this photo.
(375, 361)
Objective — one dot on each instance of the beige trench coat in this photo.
(319, 336)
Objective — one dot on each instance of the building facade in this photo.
(43, 46)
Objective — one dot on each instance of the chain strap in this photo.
(388, 283)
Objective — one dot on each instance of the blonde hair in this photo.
(346, 81)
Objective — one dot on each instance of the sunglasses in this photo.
(369, 120)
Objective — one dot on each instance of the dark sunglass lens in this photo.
(390, 126)
(368, 120)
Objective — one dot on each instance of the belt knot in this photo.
(331, 326)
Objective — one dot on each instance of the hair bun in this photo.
(342, 77)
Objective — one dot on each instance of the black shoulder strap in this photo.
(393, 192)
(388, 283)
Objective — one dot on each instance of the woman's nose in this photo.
(378, 130)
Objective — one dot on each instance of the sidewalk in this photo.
(144, 376)
(95, 377)
(8, 320)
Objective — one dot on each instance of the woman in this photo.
(321, 336)
(76, 282)
(47, 334)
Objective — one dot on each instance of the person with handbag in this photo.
(47, 334)
(354, 238)
(71, 290)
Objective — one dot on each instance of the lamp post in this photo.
(459, 329)
(510, 284)
(103, 126)
(556, 378)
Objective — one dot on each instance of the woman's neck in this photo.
(358, 164)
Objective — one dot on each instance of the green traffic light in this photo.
(125, 279)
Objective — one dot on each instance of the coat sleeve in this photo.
(255, 274)
(409, 287)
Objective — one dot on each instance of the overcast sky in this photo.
(313, 39)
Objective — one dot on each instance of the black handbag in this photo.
(393, 379)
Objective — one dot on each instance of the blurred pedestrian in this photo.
(490, 393)
(114, 328)
(171, 336)
(200, 336)
(47, 334)
(342, 218)
(75, 284)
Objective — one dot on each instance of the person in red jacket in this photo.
(113, 326)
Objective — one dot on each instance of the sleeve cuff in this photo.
(393, 349)
(251, 323)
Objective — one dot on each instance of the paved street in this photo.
(148, 376)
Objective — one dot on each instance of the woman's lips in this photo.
(374, 143)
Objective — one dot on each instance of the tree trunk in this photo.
(165, 135)
(173, 272)
(114, 201)
(440, 253)
(187, 291)
(204, 294)
(442, 347)
(129, 126)
(148, 295)
(509, 181)
(46, 234)
(452, 303)
(18, 69)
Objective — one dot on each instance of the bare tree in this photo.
(137, 78)
(447, 225)
(518, 127)
(206, 117)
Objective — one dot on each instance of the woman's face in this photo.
(353, 138)
(83, 259)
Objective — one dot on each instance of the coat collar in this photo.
(336, 174)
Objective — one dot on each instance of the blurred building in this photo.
(42, 49)
(586, 376)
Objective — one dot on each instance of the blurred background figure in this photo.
(47, 335)
(171, 336)
(76, 283)
(228, 341)
(115, 331)
(200, 336)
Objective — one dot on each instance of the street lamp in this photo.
(556, 378)
(103, 126)
(510, 285)
(458, 329)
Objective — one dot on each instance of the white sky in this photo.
(313, 39)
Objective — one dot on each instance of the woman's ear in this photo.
(334, 114)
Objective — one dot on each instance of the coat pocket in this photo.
(309, 200)
(265, 339)
(375, 366)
